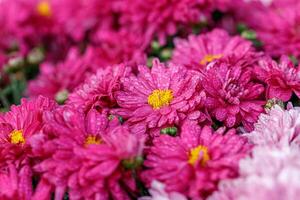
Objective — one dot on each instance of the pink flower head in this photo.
(98, 91)
(158, 192)
(88, 155)
(233, 95)
(282, 79)
(162, 18)
(159, 96)
(194, 162)
(270, 173)
(64, 76)
(277, 128)
(199, 50)
(19, 125)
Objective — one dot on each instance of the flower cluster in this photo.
(149, 99)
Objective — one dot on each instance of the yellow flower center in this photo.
(44, 9)
(160, 98)
(91, 139)
(194, 155)
(16, 137)
(209, 57)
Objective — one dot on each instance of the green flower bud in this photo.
(61, 96)
(172, 131)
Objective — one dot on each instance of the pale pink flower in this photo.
(270, 173)
(277, 128)
(158, 192)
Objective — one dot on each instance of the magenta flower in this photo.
(159, 19)
(233, 95)
(19, 127)
(194, 162)
(270, 173)
(160, 96)
(98, 91)
(277, 128)
(89, 156)
(199, 50)
(282, 79)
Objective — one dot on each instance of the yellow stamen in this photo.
(209, 57)
(16, 137)
(194, 155)
(91, 139)
(44, 9)
(160, 98)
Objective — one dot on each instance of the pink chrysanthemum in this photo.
(194, 162)
(159, 96)
(270, 173)
(233, 95)
(19, 127)
(277, 128)
(88, 158)
(158, 192)
(162, 18)
(197, 51)
(98, 91)
(282, 79)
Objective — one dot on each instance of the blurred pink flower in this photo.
(196, 161)
(282, 79)
(233, 95)
(270, 173)
(89, 156)
(279, 20)
(199, 50)
(159, 19)
(64, 76)
(116, 47)
(159, 96)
